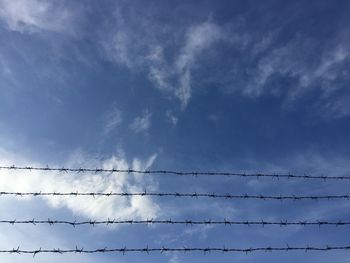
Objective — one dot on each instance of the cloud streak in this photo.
(198, 38)
(296, 61)
(141, 124)
(34, 15)
(142, 50)
(112, 120)
(268, 63)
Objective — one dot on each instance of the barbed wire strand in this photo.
(148, 250)
(169, 172)
(225, 222)
(175, 194)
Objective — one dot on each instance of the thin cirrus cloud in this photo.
(112, 120)
(137, 50)
(327, 77)
(198, 39)
(142, 123)
(288, 60)
(34, 15)
(170, 67)
(172, 118)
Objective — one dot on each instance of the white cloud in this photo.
(123, 44)
(5, 69)
(213, 117)
(159, 71)
(278, 61)
(112, 120)
(174, 259)
(160, 77)
(95, 208)
(324, 74)
(120, 49)
(183, 92)
(169, 65)
(142, 123)
(198, 39)
(139, 49)
(337, 109)
(32, 15)
(265, 43)
(177, 76)
(172, 118)
(336, 56)
(6, 73)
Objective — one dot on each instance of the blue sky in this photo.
(224, 86)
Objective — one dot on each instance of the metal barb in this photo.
(186, 222)
(181, 173)
(162, 249)
(186, 195)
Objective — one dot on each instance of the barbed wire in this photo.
(148, 250)
(176, 194)
(178, 222)
(169, 172)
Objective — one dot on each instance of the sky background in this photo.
(242, 86)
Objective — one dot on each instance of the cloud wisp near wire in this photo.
(180, 173)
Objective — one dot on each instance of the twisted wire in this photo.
(170, 172)
(178, 222)
(148, 250)
(176, 194)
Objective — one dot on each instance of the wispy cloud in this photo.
(112, 120)
(6, 73)
(160, 73)
(171, 65)
(177, 77)
(139, 48)
(198, 39)
(142, 123)
(174, 259)
(172, 118)
(287, 62)
(309, 67)
(33, 15)
(337, 109)
(124, 44)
